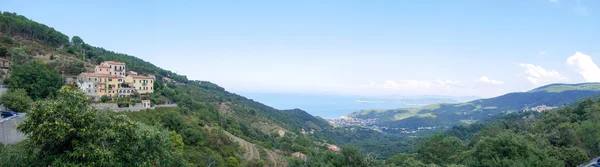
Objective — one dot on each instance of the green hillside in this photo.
(440, 116)
(567, 87)
(563, 137)
(209, 127)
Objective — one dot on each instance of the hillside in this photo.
(439, 116)
(562, 137)
(210, 126)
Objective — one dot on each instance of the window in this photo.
(150, 81)
(134, 81)
(109, 79)
(89, 91)
(95, 79)
(95, 91)
(89, 79)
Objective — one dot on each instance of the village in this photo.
(110, 80)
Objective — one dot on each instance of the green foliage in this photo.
(8, 40)
(509, 149)
(19, 56)
(68, 66)
(568, 136)
(77, 41)
(3, 51)
(35, 77)
(176, 141)
(439, 149)
(104, 98)
(13, 24)
(65, 132)
(17, 100)
(403, 159)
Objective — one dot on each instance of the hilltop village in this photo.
(111, 79)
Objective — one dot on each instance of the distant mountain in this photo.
(440, 116)
(334, 106)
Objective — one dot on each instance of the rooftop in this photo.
(114, 63)
(141, 77)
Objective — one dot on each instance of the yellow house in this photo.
(143, 84)
(108, 85)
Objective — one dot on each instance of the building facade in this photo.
(110, 78)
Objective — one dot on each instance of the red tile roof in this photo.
(141, 77)
(114, 62)
(3, 59)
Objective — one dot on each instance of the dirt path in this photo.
(253, 153)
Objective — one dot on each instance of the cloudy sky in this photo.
(460, 48)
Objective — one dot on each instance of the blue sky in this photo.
(367, 48)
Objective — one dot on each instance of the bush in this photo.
(17, 100)
(104, 98)
(38, 79)
(8, 40)
(3, 51)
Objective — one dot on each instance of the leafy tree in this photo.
(572, 156)
(176, 141)
(77, 41)
(104, 98)
(38, 79)
(19, 56)
(17, 100)
(67, 132)
(3, 51)
(439, 149)
(403, 159)
(509, 149)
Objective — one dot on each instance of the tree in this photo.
(3, 51)
(104, 98)
(77, 41)
(19, 56)
(38, 79)
(510, 149)
(176, 141)
(439, 149)
(66, 131)
(17, 100)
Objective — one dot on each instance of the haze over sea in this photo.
(335, 106)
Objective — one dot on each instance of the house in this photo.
(102, 69)
(108, 85)
(146, 103)
(131, 73)
(123, 92)
(334, 148)
(4, 63)
(88, 83)
(281, 133)
(143, 84)
(299, 155)
(114, 68)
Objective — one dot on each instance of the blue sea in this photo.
(334, 106)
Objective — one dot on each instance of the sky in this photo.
(367, 48)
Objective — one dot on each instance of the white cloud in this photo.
(585, 66)
(537, 75)
(486, 80)
(554, 1)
